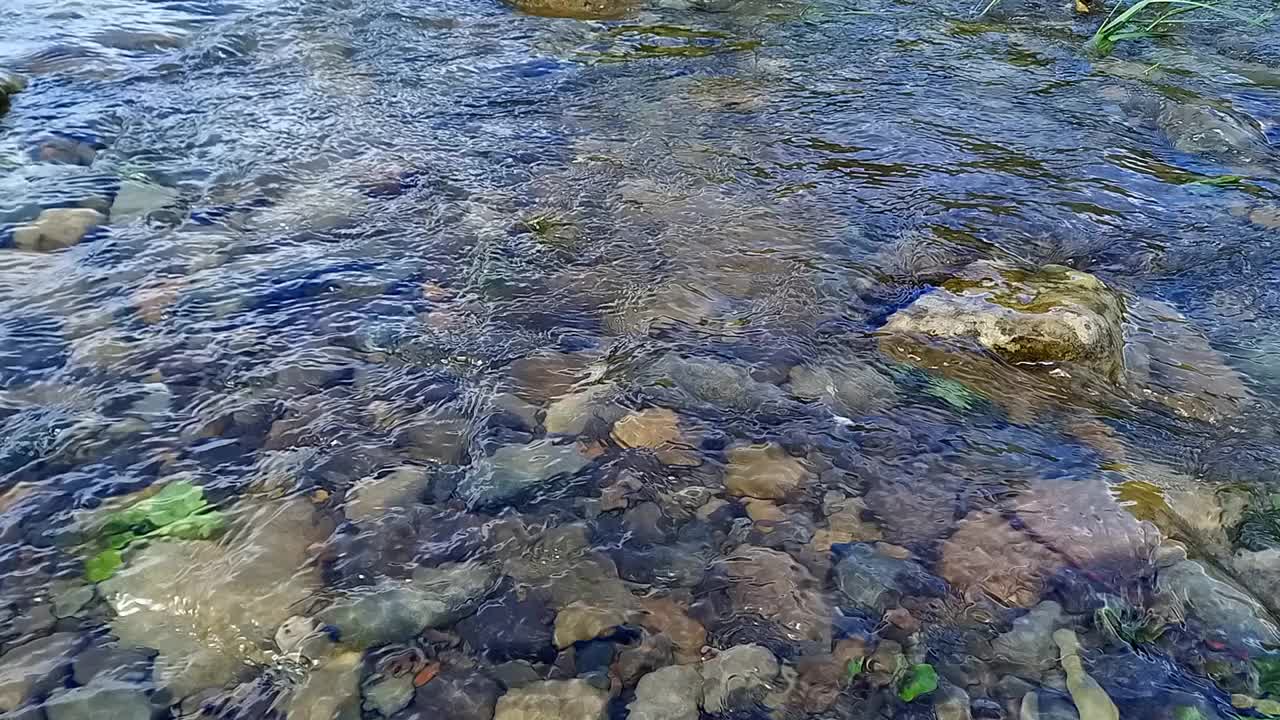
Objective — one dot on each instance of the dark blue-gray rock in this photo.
(516, 673)
(511, 625)
(662, 565)
(455, 694)
(397, 610)
(35, 667)
(114, 701)
(987, 709)
(873, 582)
(594, 656)
(519, 472)
(646, 523)
(124, 664)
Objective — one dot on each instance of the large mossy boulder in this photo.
(581, 9)
(1043, 317)
(11, 83)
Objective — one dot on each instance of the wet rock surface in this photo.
(1053, 314)
(395, 609)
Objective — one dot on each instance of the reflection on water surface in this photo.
(792, 359)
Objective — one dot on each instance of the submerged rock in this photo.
(1168, 362)
(672, 693)
(739, 676)
(136, 199)
(1028, 648)
(773, 585)
(1204, 128)
(35, 666)
(1082, 522)
(1217, 604)
(330, 691)
(516, 623)
(455, 694)
(766, 472)
(515, 472)
(988, 557)
(580, 621)
(553, 700)
(575, 412)
(387, 694)
(849, 391)
(1050, 315)
(375, 496)
(664, 616)
(1092, 702)
(209, 607)
(657, 429)
(115, 701)
(874, 582)
(57, 229)
(395, 610)
(708, 382)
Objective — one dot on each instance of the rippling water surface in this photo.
(425, 359)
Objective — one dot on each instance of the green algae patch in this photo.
(920, 680)
(179, 511)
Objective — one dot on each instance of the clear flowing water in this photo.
(419, 359)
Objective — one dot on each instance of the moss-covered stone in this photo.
(582, 9)
(1046, 316)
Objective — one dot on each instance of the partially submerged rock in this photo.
(11, 83)
(1047, 316)
(57, 229)
(581, 9)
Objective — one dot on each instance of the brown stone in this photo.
(766, 472)
(665, 616)
(988, 557)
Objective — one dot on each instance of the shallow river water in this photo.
(802, 359)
